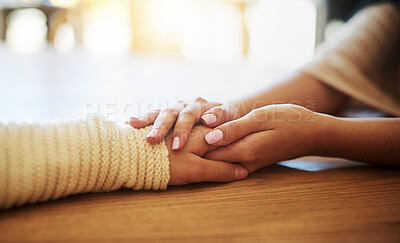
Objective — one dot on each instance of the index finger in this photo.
(164, 122)
(186, 120)
(145, 120)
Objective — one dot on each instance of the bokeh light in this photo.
(64, 3)
(26, 30)
(64, 40)
(282, 33)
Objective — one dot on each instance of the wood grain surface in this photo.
(277, 204)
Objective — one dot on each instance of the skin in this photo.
(374, 141)
(370, 140)
(188, 166)
(266, 136)
(280, 132)
(298, 88)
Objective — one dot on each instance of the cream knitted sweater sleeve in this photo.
(50, 160)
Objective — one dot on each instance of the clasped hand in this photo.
(268, 135)
(262, 137)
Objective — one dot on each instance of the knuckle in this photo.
(164, 111)
(253, 113)
(180, 120)
(172, 111)
(200, 100)
(258, 115)
(182, 128)
(187, 113)
(153, 112)
(218, 110)
(185, 120)
(163, 127)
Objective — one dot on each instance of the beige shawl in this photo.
(364, 60)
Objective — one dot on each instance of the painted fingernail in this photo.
(175, 143)
(240, 173)
(209, 118)
(214, 136)
(152, 134)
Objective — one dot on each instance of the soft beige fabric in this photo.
(364, 61)
(50, 160)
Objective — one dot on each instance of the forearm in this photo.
(300, 89)
(46, 161)
(375, 141)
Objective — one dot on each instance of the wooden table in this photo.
(278, 203)
(309, 200)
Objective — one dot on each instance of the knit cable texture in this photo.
(50, 160)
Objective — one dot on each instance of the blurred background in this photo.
(67, 58)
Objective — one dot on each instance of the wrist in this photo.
(327, 135)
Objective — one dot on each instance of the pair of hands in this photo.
(238, 144)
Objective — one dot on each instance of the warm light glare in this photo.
(107, 37)
(277, 33)
(158, 25)
(64, 40)
(26, 30)
(282, 33)
(213, 32)
(64, 3)
(106, 28)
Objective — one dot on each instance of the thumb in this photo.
(218, 171)
(234, 130)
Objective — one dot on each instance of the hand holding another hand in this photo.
(268, 135)
(188, 166)
(184, 116)
(262, 137)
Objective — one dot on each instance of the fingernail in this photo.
(152, 134)
(175, 143)
(240, 173)
(209, 118)
(214, 136)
